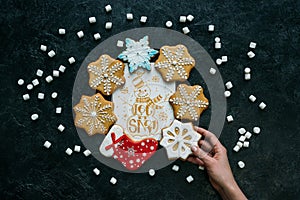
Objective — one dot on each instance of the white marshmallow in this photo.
(34, 117)
(219, 61)
(175, 168)
(248, 135)
(143, 19)
(87, 153)
(182, 19)
(26, 97)
(120, 43)
(61, 128)
(229, 118)
(240, 144)
(113, 180)
(218, 45)
(71, 60)
(49, 79)
(21, 82)
(108, 25)
(39, 73)
(229, 85)
(54, 95)
(212, 71)
(80, 34)
(62, 68)
(189, 179)
(236, 148)
(97, 36)
(262, 105)
(29, 86)
(185, 30)
(43, 47)
(217, 39)
(201, 167)
(242, 131)
(69, 151)
(252, 98)
(211, 28)
(61, 31)
(77, 148)
(41, 95)
(169, 24)
(241, 164)
(256, 130)
(58, 110)
(47, 144)
(242, 138)
(252, 45)
(247, 70)
(55, 73)
(227, 93)
(251, 54)
(247, 77)
(246, 144)
(224, 58)
(190, 18)
(96, 171)
(129, 16)
(108, 8)
(151, 172)
(51, 53)
(92, 20)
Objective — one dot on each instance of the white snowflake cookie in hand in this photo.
(106, 74)
(94, 114)
(188, 102)
(174, 63)
(178, 139)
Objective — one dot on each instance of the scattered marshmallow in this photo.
(58, 110)
(55, 73)
(248, 135)
(169, 24)
(26, 97)
(251, 54)
(241, 164)
(34, 117)
(77, 148)
(229, 85)
(120, 43)
(43, 47)
(262, 105)
(87, 153)
(54, 95)
(242, 131)
(246, 144)
(47, 144)
(97, 36)
(61, 128)
(62, 68)
(252, 45)
(252, 98)
(224, 58)
(129, 16)
(240, 144)
(51, 53)
(211, 28)
(61, 31)
(39, 73)
(49, 79)
(71, 60)
(151, 172)
(247, 77)
(175, 168)
(212, 71)
(256, 130)
(113, 180)
(80, 34)
(219, 61)
(227, 93)
(41, 95)
(189, 179)
(218, 45)
(21, 82)
(108, 25)
(247, 70)
(201, 167)
(242, 138)
(69, 151)
(217, 39)
(190, 18)
(108, 8)
(236, 148)
(29, 86)
(182, 19)
(143, 19)
(185, 30)
(92, 20)
(229, 118)
(96, 171)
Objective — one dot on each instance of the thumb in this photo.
(202, 155)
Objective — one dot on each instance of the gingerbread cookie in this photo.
(188, 102)
(94, 114)
(178, 139)
(174, 63)
(106, 74)
(132, 154)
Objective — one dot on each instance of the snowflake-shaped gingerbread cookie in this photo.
(138, 54)
(178, 139)
(174, 63)
(106, 74)
(94, 114)
(188, 102)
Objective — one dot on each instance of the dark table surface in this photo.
(29, 171)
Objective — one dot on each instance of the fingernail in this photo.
(194, 148)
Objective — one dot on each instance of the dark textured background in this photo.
(29, 171)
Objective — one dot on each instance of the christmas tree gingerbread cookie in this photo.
(94, 114)
(106, 74)
(188, 102)
(174, 63)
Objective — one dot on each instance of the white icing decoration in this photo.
(118, 131)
